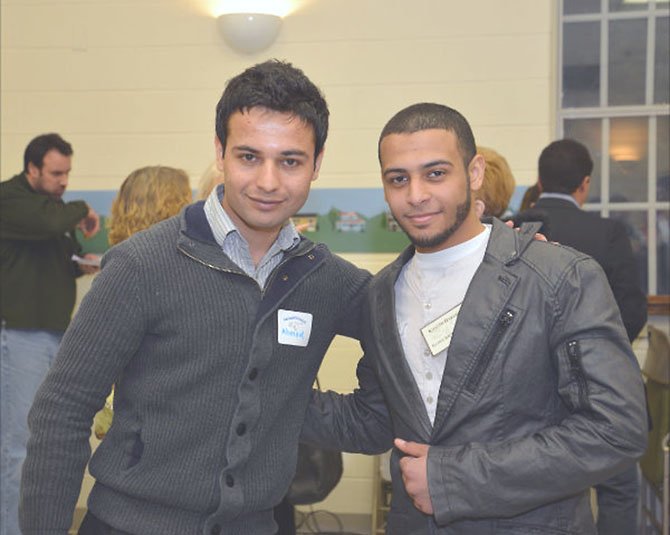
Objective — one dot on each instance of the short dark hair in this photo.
(42, 144)
(426, 116)
(563, 165)
(279, 86)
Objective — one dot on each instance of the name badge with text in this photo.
(437, 333)
(293, 328)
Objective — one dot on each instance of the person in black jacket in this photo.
(37, 293)
(564, 171)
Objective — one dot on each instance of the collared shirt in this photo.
(235, 247)
(563, 196)
(429, 286)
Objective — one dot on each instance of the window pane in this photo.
(588, 132)
(662, 62)
(627, 61)
(628, 159)
(577, 7)
(581, 64)
(628, 5)
(636, 227)
(663, 252)
(662, 159)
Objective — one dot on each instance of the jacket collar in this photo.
(492, 285)
(196, 240)
(554, 202)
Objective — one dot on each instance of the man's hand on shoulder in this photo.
(538, 236)
(90, 225)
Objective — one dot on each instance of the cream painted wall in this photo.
(135, 82)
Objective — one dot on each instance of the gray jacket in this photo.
(541, 397)
(208, 405)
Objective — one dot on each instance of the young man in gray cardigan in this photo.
(212, 326)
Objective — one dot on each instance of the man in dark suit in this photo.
(564, 169)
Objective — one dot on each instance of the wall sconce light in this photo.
(249, 32)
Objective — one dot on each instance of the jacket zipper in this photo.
(242, 274)
(504, 321)
(575, 359)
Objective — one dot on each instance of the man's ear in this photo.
(218, 150)
(32, 171)
(317, 164)
(476, 172)
(480, 208)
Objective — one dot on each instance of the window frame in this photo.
(605, 113)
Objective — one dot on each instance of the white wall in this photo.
(135, 82)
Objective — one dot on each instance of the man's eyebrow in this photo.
(394, 170)
(289, 152)
(427, 165)
(435, 163)
(294, 152)
(246, 148)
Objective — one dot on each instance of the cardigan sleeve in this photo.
(103, 336)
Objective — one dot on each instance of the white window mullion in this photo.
(605, 168)
(652, 259)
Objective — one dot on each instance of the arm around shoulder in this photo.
(356, 423)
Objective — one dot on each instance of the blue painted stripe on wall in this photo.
(368, 201)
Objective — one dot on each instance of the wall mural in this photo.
(347, 220)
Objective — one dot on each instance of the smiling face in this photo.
(52, 178)
(268, 167)
(428, 188)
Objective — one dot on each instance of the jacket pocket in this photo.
(576, 393)
(486, 356)
(135, 451)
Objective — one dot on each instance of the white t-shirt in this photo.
(429, 286)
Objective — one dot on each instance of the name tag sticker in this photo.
(437, 333)
(293, 328)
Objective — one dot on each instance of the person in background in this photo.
(492, 199)
(209, 179)
(148, 195)
(564, 176)
(484, 353)
(212, 325)
(37, 293)
(530, 197)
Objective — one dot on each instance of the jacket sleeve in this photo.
(356, 423)
(603, 432)
(103, 336)
(38, 217)
(622, 273)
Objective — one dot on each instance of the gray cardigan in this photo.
(541, 396)
(208, 405)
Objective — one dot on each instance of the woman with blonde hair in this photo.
(209, 179)
(492, 199)
(148, 195)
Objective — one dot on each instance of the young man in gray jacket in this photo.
(212, 326)
(497, 366)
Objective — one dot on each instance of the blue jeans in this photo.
(25, 358)
(619, 503)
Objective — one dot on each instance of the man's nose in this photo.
(268, 177)
(416, 192)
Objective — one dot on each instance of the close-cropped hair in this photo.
(563, 165)
(428, 116)
(148, 195)
(498, 185)
(39, 146)
(278, 86)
